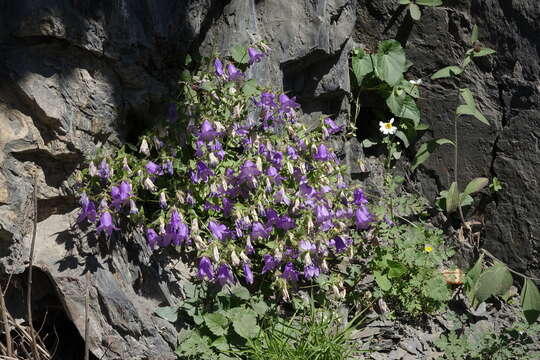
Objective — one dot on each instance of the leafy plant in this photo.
(414, 8)
(483, 282)
(219, 321)
(382, 73)
(451, 200)
(516, 342)
(319, 334)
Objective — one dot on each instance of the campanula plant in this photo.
(234, 179)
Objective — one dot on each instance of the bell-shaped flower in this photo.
(289, 273)
(224, 275)
(206, 269)
(321, 154)
(162, 200)
(149, 185)
(281, 197)
(143, 149)
(267, 100)
(207, 132)
(219, 231)
(287, 104)
(311, 271)
(359, 198)
(270, 263)
(322, 214)
(307, 246)
(248, 172)
(291, 153)
(254, 55)
(88, 209)
(218, 67)
(152, 238)
(285, 223)
(92, 170)
(362, 218)
(259, 231)
(106, 224)
(333, 128)
(121, 194)
(104, 171)
(234, 73)
(133, 207)
(153, 168)
(248, 274)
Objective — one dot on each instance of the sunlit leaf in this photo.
(530, 301)
(426, 149)
(447, 72)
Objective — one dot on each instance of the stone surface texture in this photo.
(74, 74)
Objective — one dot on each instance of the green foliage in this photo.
(450, 200)
(484, 282)
(495, 185)
(516, 342)
(426, 149)
(318, 334)
(382, 74)
(414, 9)
(219, 321)
(406, 263)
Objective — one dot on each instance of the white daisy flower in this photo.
(387, 128)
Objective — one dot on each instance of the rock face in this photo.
(73, 74)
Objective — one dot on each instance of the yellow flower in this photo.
(428, 248)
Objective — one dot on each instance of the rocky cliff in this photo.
(74, 74)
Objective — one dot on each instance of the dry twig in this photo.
(35, 352)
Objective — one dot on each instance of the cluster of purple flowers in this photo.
(255, 178)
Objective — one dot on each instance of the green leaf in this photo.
(245, 324)
(396, 270)
(240, 292)
(250, 88)
(429, 2)
(466, 61)
(391, 62)
(221, 344)
(185, 75)
(367, 143)
(401, 135)
(426, 149)
(217, 323)
(403, 106)
(530, 301)
(470, 106)
(382, 281)
(494, 281)
(169, 313)
(474, 35)
(362, 65)
(447, 72)
(404, 2)
(410, 89)
(476, 185)
(452, 198)
(483, 52)
(239, 54)
(474, 273)
(260, 307)
(415, 12)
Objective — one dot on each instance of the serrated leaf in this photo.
(426, 149)
(239, 54)
(245, 324)
(476, 185)
(217, 323)
(396, 269)
(474, 34)
(250, 87)
(415, 12)
(429, 2)
(240, 292)
(391, 62)
(447, 72)
(382, 281)
(530, 301)
(169, 313)
(494, 281)
(362, 65)
(260, 307)
(483, 52)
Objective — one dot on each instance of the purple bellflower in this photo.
(254, 55)
(206, 269)
(234, 73)
(270, 263)
(88, 209)
(287, 104)
(219, 231)
(218, 66)
(207, 132)
(153, 168)
(359, 198)
(224, 275)
(104, 171)
(258, 230)
(362, 218)
(120, 194)
(311, 271)
(106, 224)
(248, 274)
(333, 128)
(321, 154)
(289, 273)
(152, 238)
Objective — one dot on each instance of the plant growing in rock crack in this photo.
(382, 73)
(406, 263)
(414, 6)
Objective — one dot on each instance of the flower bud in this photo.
(232, 90)
(199, 242)
(213, 160)
(125, 165)
(258, 162)
(215, 253)
(219, 126)
(149, 185)
(290, 168)
(162, 200)
(307, 259)
(133, 207)
(324, 266)
(92, 170)
(244, 257)
(144, 147)
(194, 225)
(278, 255)
(180, 196)
(234, 258)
